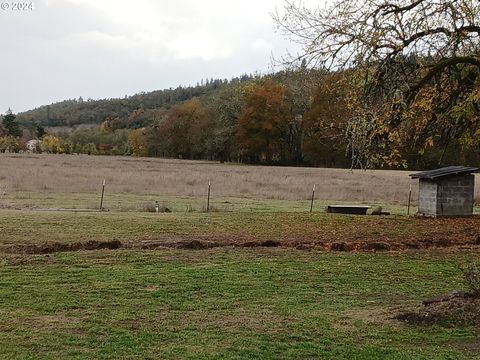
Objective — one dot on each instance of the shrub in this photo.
(89, 149)
(54, 145)
(9, 144)
(471, 274)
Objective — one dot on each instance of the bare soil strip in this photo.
(200, 242)
(54, 247)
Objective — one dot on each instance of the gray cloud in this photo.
(100, 49)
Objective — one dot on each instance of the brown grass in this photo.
(43, 173)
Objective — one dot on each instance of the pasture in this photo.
(44, 180)
(259, 277)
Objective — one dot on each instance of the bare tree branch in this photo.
(414, 58)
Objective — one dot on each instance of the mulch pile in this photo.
(457, 311)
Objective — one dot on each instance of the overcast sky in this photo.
(64, 49)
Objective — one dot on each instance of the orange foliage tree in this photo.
(137, 142)
(324, 125)
(264, 127)
(185, 132)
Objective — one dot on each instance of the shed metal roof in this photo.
(445, 171)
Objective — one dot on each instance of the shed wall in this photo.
(427, 198)
(455, 195)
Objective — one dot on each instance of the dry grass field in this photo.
(36, 180)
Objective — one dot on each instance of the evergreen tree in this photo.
(40, 131)
(11, 124)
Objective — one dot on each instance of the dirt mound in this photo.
(454, 312)
(196, 245)
(339, 246)
(360, 246)
(190, 244)
(392, 245)
(374, 246)
(203, 244)
(266, 243)
(50, 248)
(377, 235)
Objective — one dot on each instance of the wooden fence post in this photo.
(313, 198)
(208, 196)
(103, 192)
(409, 200)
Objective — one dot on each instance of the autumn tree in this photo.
(325, 122)
(137, 142)
(185, 131)
(107, 125)
(264, 127)
(9, 144)
(302, 84)
(55, 145)
(225, 110)
(416, 61)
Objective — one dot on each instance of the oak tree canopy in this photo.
(417, 65)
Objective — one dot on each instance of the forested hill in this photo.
(292, 117)
(278, 118)
(75, 112)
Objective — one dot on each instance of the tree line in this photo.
(257, 119)
(292, 117)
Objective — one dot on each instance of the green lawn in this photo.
(228, 302)
(225, 303)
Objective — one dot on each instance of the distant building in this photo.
(447, 191)
(33, 145)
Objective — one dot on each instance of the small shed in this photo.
(446, 191)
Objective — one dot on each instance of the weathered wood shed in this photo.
(446, 191)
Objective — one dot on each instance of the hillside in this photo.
(79, 111)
